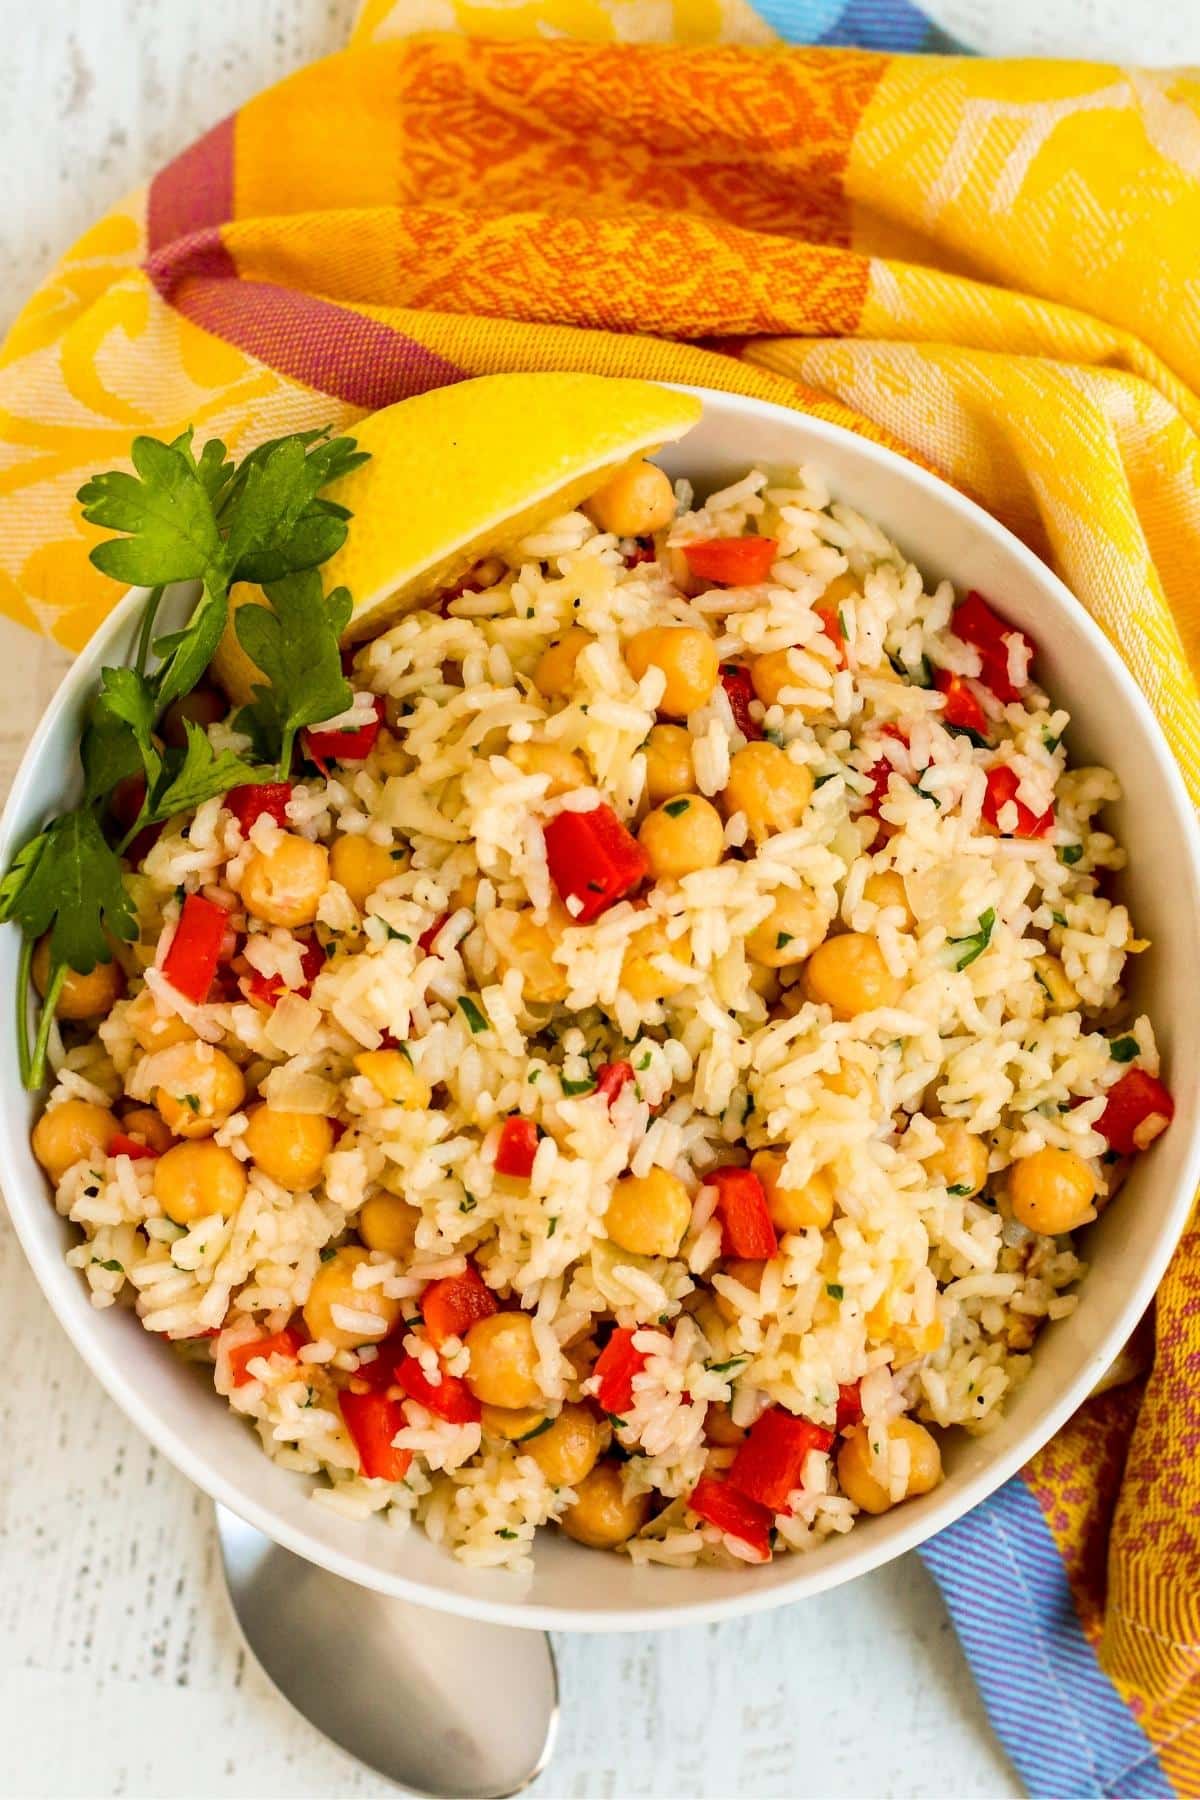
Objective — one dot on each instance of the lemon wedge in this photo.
(459, 473)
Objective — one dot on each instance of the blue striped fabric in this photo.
(1065, 1727)
(864, 24)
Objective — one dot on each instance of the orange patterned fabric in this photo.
(991, 265)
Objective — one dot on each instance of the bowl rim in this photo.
(935, 1511)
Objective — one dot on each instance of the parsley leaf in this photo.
(68, 882)
(165, 509)
(294, 642)
(200, 774)
(278, 526)
(969, 948)
(1123, 1049)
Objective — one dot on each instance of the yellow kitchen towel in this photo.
(991, 265)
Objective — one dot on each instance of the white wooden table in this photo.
(121, 1672)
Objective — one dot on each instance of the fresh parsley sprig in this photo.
(180, 516)
(295, 644)
(68, 882)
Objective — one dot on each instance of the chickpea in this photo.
(521, 943)
(640, 978)
(284, 885)
(682, 836)
(635, 502)
(393, 1075)
(791, 931)
(512, 1422)
(391, 757)
(719, 1428)
(793, 1208)
(70, 1132)
(143, 1123)
(565, 769)
(854, 1464)
(194, 1181)
(465, 892)
(961, 1159)
(772, 674)
(361, 865)
(886, 888)
(198, 1087)
(602, 1517)
(155, 1030)
(1061, 993)
(388, 1223)
(333, 1287)
(648, 1214)
(747, 1275)
(687, 657)
(1052, 1191)
(554, 672)
(850, 976)
(504, 1360)
(853, 1083)
(87, 996)
(842, 587)
(766, 785)
(567, 1453)
(203, 706)
(669, 767)
(290, 1147)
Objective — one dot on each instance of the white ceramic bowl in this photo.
(1128, 1249)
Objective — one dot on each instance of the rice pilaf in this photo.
(470, 1064)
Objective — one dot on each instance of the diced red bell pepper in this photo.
(962, 709)
(284, 1343)
(1139, 1109)
(976, 623)
(770, 1462)
(615, 1368)
(831, 625)
(452, 1305)
(450, 1398)
(120, 1145)
(258, 797)
(747, 1231)
(881, 772)
(849, 1405)
(719, 1503)
(1002, 784)
(611, 1078)
(739, 691)
(191, 962)
(345, 745)
(593, 860)
(731, 562)
(517, 1148)
(643, 553)
(268, 990)
(373, 1421)
(426, 940)
(380, 1372)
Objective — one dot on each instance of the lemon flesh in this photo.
(463, 471)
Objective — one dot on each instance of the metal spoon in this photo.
(440, 1704)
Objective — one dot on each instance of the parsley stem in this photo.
(147, 631)
(24, 966)
(37, 1067)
